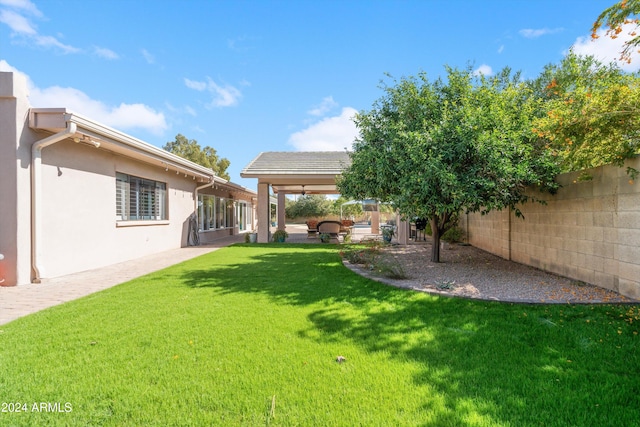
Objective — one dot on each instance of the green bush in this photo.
(452, 235)
(372, 258)
(280, 236)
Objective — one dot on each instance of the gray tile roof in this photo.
(297, 163)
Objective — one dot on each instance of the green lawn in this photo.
(249, 335)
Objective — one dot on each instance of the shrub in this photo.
(280, 235)
(389, 266)
(452, 235)
(373, 259)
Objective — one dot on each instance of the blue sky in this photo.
(251, 76)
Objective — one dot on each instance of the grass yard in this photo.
(249, 335)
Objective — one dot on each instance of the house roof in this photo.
(297, 172)
(297, 163)
(92, 132)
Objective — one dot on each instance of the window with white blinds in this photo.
(140, 199)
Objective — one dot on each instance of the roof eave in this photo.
(56, 119)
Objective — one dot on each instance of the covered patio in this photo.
(298, 173)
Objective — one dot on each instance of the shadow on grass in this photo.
(492, 363)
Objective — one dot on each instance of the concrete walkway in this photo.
(18, 301)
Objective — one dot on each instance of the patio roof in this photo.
(311, 172)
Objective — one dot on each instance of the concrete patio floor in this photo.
(298, 234)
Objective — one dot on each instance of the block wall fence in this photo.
(589, 231)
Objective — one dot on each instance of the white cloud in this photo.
(501, 49)
(13, 14)
(105, 53)
(131, 116)
(539, 32)
(5, 66)
(192, 84)
(324, 107)
(187, 109)
(222, 96)
(484, 69)
(121, 117)
(608, 50)
(50, 41)
(18, 23)
(329, 134)
(148, 56)
(25, 5)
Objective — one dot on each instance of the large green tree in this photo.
(615, 17)
(437, 148)
(338, 207)
(591, 113)
(191, 150)
(309, 206)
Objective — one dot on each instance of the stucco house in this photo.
(76, 194)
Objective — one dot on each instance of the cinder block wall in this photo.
(589, 231)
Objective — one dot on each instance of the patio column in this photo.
(264, 210)
(403, 230)
(375, 222)
(234, 226)
(281, 210)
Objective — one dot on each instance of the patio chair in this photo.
(312, 228)
(332, 228)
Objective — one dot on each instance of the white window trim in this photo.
(141, 223)
(215, 220)
(124, 205)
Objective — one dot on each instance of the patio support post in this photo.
(281, 210)
(375, 222)
(264, 211)
(402, 230)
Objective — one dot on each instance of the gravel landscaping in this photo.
(465, 271)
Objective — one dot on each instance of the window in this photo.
(241, 209)
(214, 212)
(140, 199)
(243, 215)
(228, 220)
(206, 218)
(221, 208)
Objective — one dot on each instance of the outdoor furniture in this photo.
(332, 228)
(419, 227)
(312, 228)
(346, 225)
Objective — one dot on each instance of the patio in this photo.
(298, 234)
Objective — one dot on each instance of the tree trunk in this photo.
(435, 244)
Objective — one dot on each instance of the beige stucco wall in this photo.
(77, 210)
(79, 227)
(589, 231)
(15, 157)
